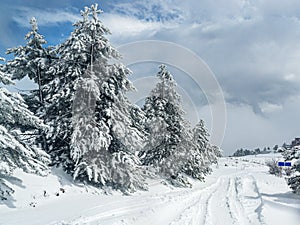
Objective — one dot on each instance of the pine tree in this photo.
(93, 135)
(202, 153)
(32, 61)
(208, 152)
(168, 145)
(14, 151)
(275, 148)
(293, 154)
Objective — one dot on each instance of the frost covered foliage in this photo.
(85, 45)
(294, 183)
(172, 148)
(104, 139)
(93, 134)
(274, 168)
(167, 147)
(14, 151)
(293, 155)
(31, 61)
(202, 154)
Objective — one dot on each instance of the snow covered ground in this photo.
(242, 192)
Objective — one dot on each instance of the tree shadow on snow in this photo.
(287, 198)
(64, 178)
(6, 191)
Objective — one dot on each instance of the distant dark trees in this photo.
(257, 151)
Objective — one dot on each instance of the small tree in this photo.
(203, 154)
(274, 168)
(257, 151)
(168, 145)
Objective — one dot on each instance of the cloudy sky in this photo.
(251, 46)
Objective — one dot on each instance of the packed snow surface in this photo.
(239, 191)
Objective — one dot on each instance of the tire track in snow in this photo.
(130, 208)
(235, 206)
(198, 212)
(214, 198)
(224, 207)
(191, 214)
(229, 195)
(203, 209)
(244, 200)
(258, 196)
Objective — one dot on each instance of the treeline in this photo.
(244, 152)
(79, 117)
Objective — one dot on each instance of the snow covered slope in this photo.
(239, 191)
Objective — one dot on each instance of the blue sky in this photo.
(252, 46)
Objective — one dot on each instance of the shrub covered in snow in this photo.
(274, 168)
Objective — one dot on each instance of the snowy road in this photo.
(240, 193)
(233, 199)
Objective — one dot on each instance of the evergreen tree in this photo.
(257, 151)
(168, 143)
(275, 148)
(32, 61)
(293, 154)
(285, 146)
(14, 151)
(93, 135)
(217, 153)
(202, 154)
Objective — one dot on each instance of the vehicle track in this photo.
(225, 202)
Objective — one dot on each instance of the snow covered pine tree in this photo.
(168, 145)
(32, 61)
(93, 135)
(202, 153)
(14, 152)
(293, 154)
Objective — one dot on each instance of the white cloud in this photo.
(123, 26)
(290, 77)
(151, 10)
(267, 107)
(44, 17)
